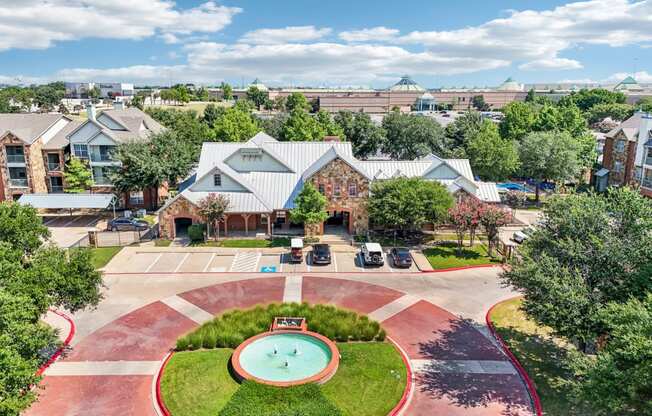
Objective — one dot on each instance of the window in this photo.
(217, 179)
(54, 163)
(280, 217)
(56, 184)
(620, 146)
(336, 189)
(80, 150)
(18, 177)
(618, 167)
(353, 189)
(136, 198)
(101, 175)
(15, 154)
(322, 189)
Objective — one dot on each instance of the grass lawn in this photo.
(445, 255)
(542, 356)
(100, 256)
(198, 106)
(369, 381)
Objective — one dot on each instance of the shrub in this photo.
(515, 198)
(196, 232)
(231, 328)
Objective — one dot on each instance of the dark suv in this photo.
(321, 254)
(126, 224)
(401, 257)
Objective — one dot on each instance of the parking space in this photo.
(68, 230)
(196, 262)
(142, 262)
(169, 262)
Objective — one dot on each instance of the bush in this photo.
(196, 232)
(231, 328)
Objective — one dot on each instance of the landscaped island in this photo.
(199, 379)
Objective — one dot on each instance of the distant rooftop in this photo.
(406, 84)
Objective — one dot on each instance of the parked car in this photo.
(519, 236)
(126, 224)
(296, 250)
(372, 254)
(321, 254)
(401, 257)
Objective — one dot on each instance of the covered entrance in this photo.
(338, 222)
(181, 225)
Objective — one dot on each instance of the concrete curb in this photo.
(66, 342)
(409, 382)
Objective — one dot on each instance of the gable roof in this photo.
(330, 155)
(60, 140)
(28, 127)
(130, 119)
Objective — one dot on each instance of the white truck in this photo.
(372, 254)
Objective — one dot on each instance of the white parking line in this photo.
(71, 221)
(334, 261)
(260, 255)
(280, 266)
(209, 262)
(183, 260)
(154, 262)
(93, 220)
(50, 221)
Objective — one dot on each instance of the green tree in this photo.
(256, 96)
(590, 250)
(366, 137)
(274, 126)
(330, 127)
(301, 126)
(94, 94)
(408, 203)
(459, 131)
(227, 91)
(480, 104)
(235, 125)
(138, 101)
(211, 114)
(296, 100)
(617, 112)
(645, 104)
(279, 103)
(518, 121)
(410, 137)
(309, 207)
(531, 95)
(549, 156)
(492, 157)
(585, 99)
(78, 176)
(21, 228)
(212, 208)
(47, 97)
(618, 381)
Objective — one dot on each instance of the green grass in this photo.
(231, 328)
(162, 243)
(100, 256)
(542, 356)
(445, 255)
(370, 381)
(198, 383)
(198, 106)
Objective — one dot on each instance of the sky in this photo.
(360, 43)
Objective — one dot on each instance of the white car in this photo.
(519, 237)
(372, 254)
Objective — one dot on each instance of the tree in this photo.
(296, 100)
(617, 112)
(94, 94)
(464, 217)
(459, 131)
(212, 208)
(330, 127)
(138, 101)
(549, 156)
(47, 97)
(591, 250)
(408, 203)
(302, 126)
(480, 104)
(411, 137)
(309, 208)
(274, 126)
(366, 137)
(492, 157)
(518, 121)
(531, 95)
(645, 104)
(78, 176)
(585, 99)
(235, 125)
(21, 228)
(227, 91)
(256, 96)
(211, 114)
(491, 218)
(619, 379)
(279, 103)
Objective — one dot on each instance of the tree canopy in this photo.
(492, 157)
(366, 137)
(235, 125)
(309, 206)
(410, 137)
(78, 176)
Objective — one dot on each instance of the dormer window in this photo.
(217, 179)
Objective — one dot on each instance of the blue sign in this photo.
(268, 269)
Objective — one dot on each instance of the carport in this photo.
(69, 201)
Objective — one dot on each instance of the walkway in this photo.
(458, 371)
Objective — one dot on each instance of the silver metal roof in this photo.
(67, 201)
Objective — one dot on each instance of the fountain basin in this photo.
(286, 358)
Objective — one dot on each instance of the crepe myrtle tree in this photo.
(465, 216)
(491, 218)
(212, 208)
(309, 208)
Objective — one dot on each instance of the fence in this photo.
(118, 238)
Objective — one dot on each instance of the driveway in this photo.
(67, 231)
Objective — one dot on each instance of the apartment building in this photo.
(627, 158)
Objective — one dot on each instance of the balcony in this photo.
(102, 180)
(15, 158)
(646, 183)
(648, 160)
(18, 183)
(54, 167)
(101, 157)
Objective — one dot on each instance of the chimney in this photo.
(118, 105)
(91, 112)
(331, 139)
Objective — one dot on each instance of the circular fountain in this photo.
(286, 358)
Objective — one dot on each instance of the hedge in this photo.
(196, 232)
(232, 328)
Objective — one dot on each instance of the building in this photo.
(627, 156)
(35, 148)
(107, 89)
(262, 177)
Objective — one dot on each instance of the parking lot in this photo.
(67, 231)
(188, 260)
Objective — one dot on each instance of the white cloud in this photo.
(37, 24)
(170, 38)
(640, 76)
(289, 34)
(553, 63)
(377, 34)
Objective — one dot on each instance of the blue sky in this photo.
(325, 43)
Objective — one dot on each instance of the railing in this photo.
(56, 189)
(99, 157)
(102, 180)
(648, 160)
(646, 183)
(54, 166)
(18, 182)
(16, 158)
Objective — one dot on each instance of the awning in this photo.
(67, 201)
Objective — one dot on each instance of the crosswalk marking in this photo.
(245, 261)
(463, 366)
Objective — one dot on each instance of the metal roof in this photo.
(67, 201)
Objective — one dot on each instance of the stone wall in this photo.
(36, 167)
(181, 208)
(626, 158)
(340, 173)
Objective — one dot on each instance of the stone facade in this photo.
(181, 208)
(347, 191)
(613, 156)
(34, 168)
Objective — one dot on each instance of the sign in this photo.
(268, 269)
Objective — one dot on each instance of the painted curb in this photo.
(66, 342)
(531, 388)
(160, 407)
(407, 393)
